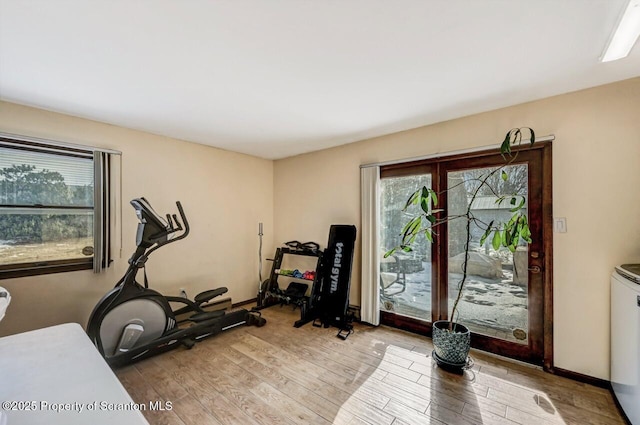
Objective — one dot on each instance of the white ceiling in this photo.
(282, 77)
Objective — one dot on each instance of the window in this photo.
(53, 208)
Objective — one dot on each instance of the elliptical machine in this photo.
(132, 322)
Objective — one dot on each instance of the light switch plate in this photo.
(560, 225)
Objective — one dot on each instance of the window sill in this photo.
(36, 269)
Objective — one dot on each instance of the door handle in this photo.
(535, 269)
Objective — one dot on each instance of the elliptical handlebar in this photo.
(178, 225)
(171, 229)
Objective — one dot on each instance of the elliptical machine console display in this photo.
(132, 322)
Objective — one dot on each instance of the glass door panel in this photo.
(405, 277)
(495, 300)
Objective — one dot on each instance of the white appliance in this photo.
(625, 339)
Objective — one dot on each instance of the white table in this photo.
(58, 368)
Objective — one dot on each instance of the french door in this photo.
(507, 298)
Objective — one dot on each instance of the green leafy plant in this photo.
(508, 234)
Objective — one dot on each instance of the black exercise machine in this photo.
(328, 303)
(132, 322)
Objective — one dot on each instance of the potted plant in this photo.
(452, 340)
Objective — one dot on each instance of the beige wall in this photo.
(224, 195)
(595, 186)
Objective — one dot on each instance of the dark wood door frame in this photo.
(544, 246)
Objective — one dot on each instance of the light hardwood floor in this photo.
(281, 375)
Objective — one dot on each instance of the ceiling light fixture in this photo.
(625, 35)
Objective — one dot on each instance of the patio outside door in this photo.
(405, 278)
(503, 303)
